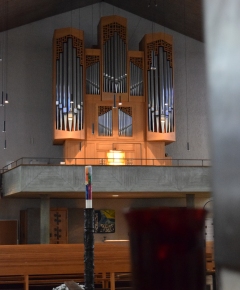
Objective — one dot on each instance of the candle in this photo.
(88, 184)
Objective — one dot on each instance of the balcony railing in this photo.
(104, 162)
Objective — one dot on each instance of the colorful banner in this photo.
(88, 184)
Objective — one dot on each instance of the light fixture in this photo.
(6, 100)
(4, 126)
(2, 103)
(116, 157)
(5, 144)
(114, 102)
(120, 101)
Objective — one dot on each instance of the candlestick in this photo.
(88, 183)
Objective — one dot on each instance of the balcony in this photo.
(32, 177)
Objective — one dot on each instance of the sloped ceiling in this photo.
(183, 16)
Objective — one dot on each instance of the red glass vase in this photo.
(167, 248)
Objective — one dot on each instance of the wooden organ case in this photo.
(109, 99)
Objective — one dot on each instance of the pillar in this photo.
(190, 200)
(45, 219)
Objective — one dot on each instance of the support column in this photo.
(190, 200)
(222, 24)
(45, 219)
(89, 248)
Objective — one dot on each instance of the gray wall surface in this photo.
(28, 81)
(70, 179)
(10, 209)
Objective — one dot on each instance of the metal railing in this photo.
(104, 162)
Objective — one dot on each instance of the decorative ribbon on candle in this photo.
(88, 183)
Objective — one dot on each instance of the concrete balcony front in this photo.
(68, 181)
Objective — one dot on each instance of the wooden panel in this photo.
(165, 137)
(91, 153)
(74, 149)
(58, 226)
(91, 119)
(61, 136)
(124, 146)
(139, 121)
(106, 28)
(8, 232)
(61, 259)
(155, 150)
(148, 38)
(104, 146)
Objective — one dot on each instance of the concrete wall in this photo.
(36, 180)
(10, 209)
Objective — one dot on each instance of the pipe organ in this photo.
(109, 98)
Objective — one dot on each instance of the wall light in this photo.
(6, 99)
(116, 157)
(120, 101)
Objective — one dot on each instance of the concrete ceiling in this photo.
(183, 16)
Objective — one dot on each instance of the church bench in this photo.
(39, 264)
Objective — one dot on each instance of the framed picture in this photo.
(104, 221)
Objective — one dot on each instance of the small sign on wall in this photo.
(104, 221)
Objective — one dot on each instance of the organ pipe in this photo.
(69, 82)
(160, 91)
(110, 73)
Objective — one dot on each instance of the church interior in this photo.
(121, 87)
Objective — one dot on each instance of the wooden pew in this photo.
(55, 263)
(29, 264)
(210, 263)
